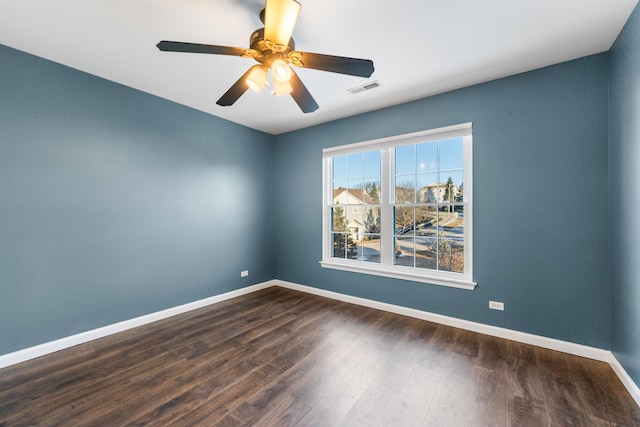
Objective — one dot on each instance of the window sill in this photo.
(376, 270)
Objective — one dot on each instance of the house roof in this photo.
(435, 184)
(355, 192)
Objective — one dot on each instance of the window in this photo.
(401, 207)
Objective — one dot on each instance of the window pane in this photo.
(405, 163)
(338, 219)
(426, 252)
(339, 188)
(460, 193)
(340, 168)
(403, 217)
(451, 154)
(405, 189)
(372, 192)
(427, 157)
(372, 164)
(426, 221)
(428, 188)
(371, 216)
(354, 194)
(450, 189)
(339, 244)
(450, 255)
(404, 251)
(354, 222)
(355, 164)
(456, 177)
(371, 248)
(451, 224)
(353, 249)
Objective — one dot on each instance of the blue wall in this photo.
(625, 196)
(115, 203)
(541, 239)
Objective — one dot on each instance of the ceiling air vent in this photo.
(367, 86)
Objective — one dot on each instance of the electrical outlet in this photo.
(496, 305)
(244, 273)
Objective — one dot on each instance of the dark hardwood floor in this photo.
(280, 357)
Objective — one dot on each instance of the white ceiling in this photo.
(419, 47)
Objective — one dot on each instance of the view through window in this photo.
(401, 206)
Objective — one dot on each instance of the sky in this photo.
(416, 165)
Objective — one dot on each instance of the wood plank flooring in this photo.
(279, 357)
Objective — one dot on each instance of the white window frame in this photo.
(386, 267)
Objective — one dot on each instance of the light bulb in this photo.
(257, 78)
(281, 71)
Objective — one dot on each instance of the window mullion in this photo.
(386, 209)
(327, 202)
(467, 200)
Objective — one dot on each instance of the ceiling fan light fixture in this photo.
(280, 18)
(257, 78)
(281, 88)
(281, 71)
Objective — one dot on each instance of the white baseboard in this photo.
(83, 337)
(631, 386)
(523, 337)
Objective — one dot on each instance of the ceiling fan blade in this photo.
(301, 95)
(168, 46)
(280, 18)
(335, 64)
(235, 91)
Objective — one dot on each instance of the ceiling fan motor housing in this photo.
(265, 51)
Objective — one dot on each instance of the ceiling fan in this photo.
(274, 49)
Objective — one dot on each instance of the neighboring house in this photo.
(355, 211)
(434, 192)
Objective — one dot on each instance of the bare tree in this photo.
(404, 216)
(450, 258)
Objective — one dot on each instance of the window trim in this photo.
(435, 277)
